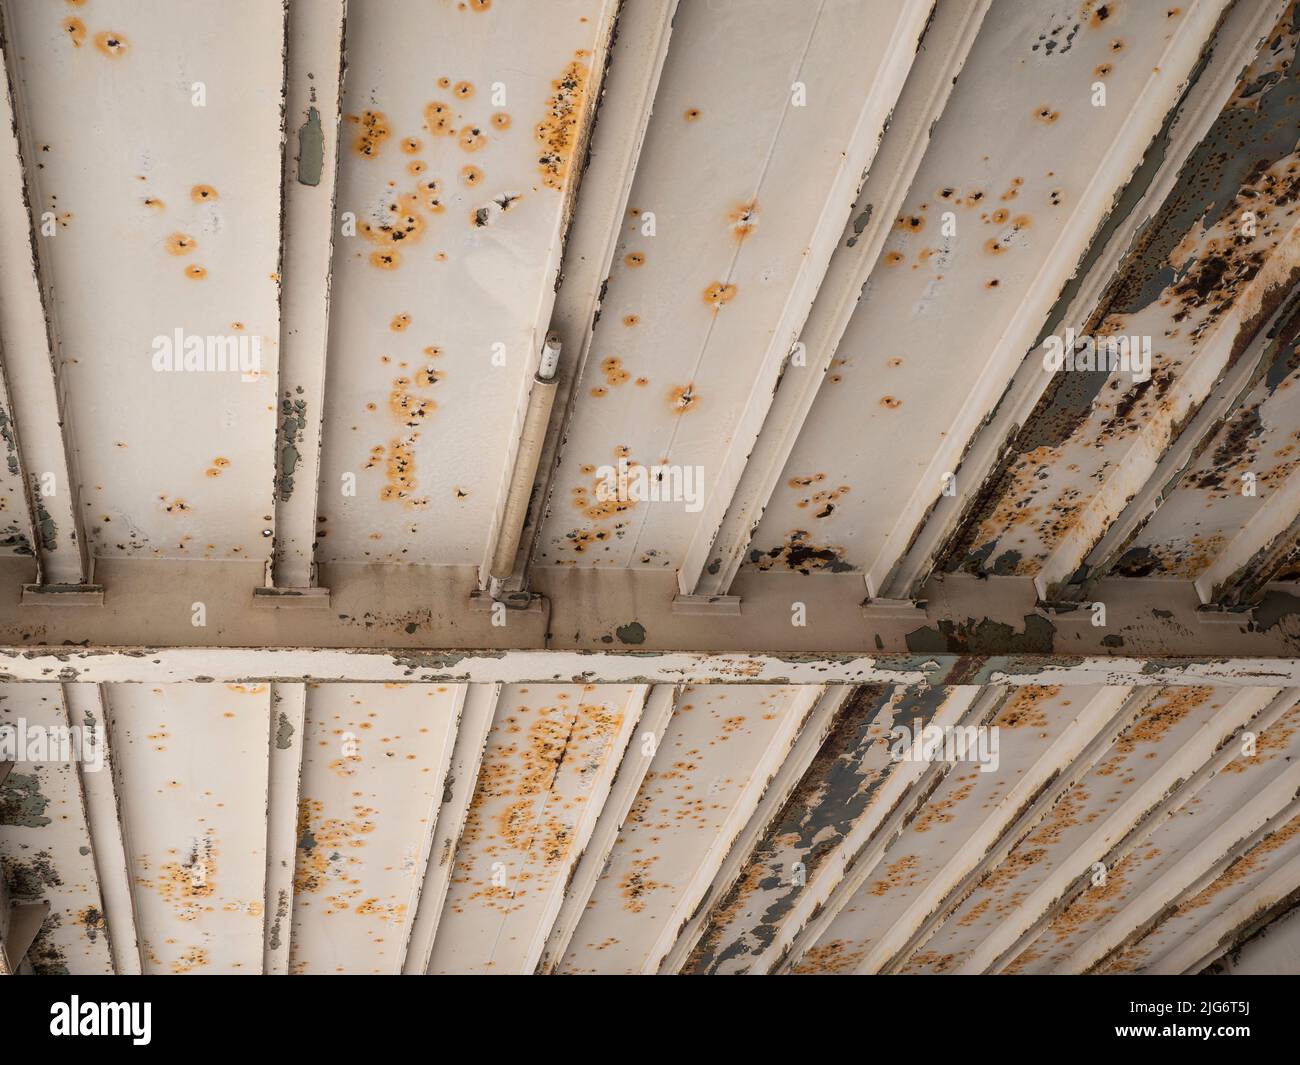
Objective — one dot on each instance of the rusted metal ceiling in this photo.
(284, 285)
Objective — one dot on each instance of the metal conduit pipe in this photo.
(531, 438)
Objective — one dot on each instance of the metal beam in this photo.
(476, 716)
(1107, 713)
(1234, 45)
(651, 727)
(779, 789)
(1111, 827)
(310, 177)
(637, 57)
(816, 254)
(107, 827)
(284, 768)
(30, 345)
(865, 847)
(939, 60)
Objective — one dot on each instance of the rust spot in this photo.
(203, 194)
(692, 113)
(718, 294)
(612, 368)
(744, 218)
(437, 118)
(634, 259)
(410, 145)
(76, 30)
(111, 44)
(400, 322)
(195, 272)
(472, 139)
(501, 121)
(464, 89)
(890, 402)
(374, 131)
(683, 398)
(559, 130)
(1046, 115)
(181, 244)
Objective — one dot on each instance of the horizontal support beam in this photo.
(367, 665)
(789, 616)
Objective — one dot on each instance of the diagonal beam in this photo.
(284, 771)
(29, 343)
(912, 553)
(636, 62)
(811, 737)
(655, 716)
(310, 173)
(476, 714)
(944, 47)
(87, 707)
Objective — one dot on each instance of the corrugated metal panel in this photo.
(808, 274)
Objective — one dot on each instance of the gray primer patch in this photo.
(284, 734)
(632, 632)
(311, 149)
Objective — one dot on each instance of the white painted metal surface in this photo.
(800, 258)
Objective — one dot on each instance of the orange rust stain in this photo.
(385, 260)
(416, 167)
(472, 139)
(630, 319)
(559, 131)
(612, 368)
(890, 402)
(181, 244)
(692, 113)
(525, 798)
(634, 259)
(111, 44)
(410, 145)
(203, 194)
(437, 118)
(152, 201)
(189, 885)
(195, 272)
(744, 219)
(400, 322)
(683, 398)
(893, 258)
(501, 120)
(464, 89)
(637, 883)
(76, 30)
(718, 294)
(374, 131)
(1046, 114)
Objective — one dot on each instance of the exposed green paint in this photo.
(10, 441)
(985, 637)
(28, 879)
(632, 632)
(311, 149)
(284, 734)
(21, 802)
(293, 421)
(45, 527)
